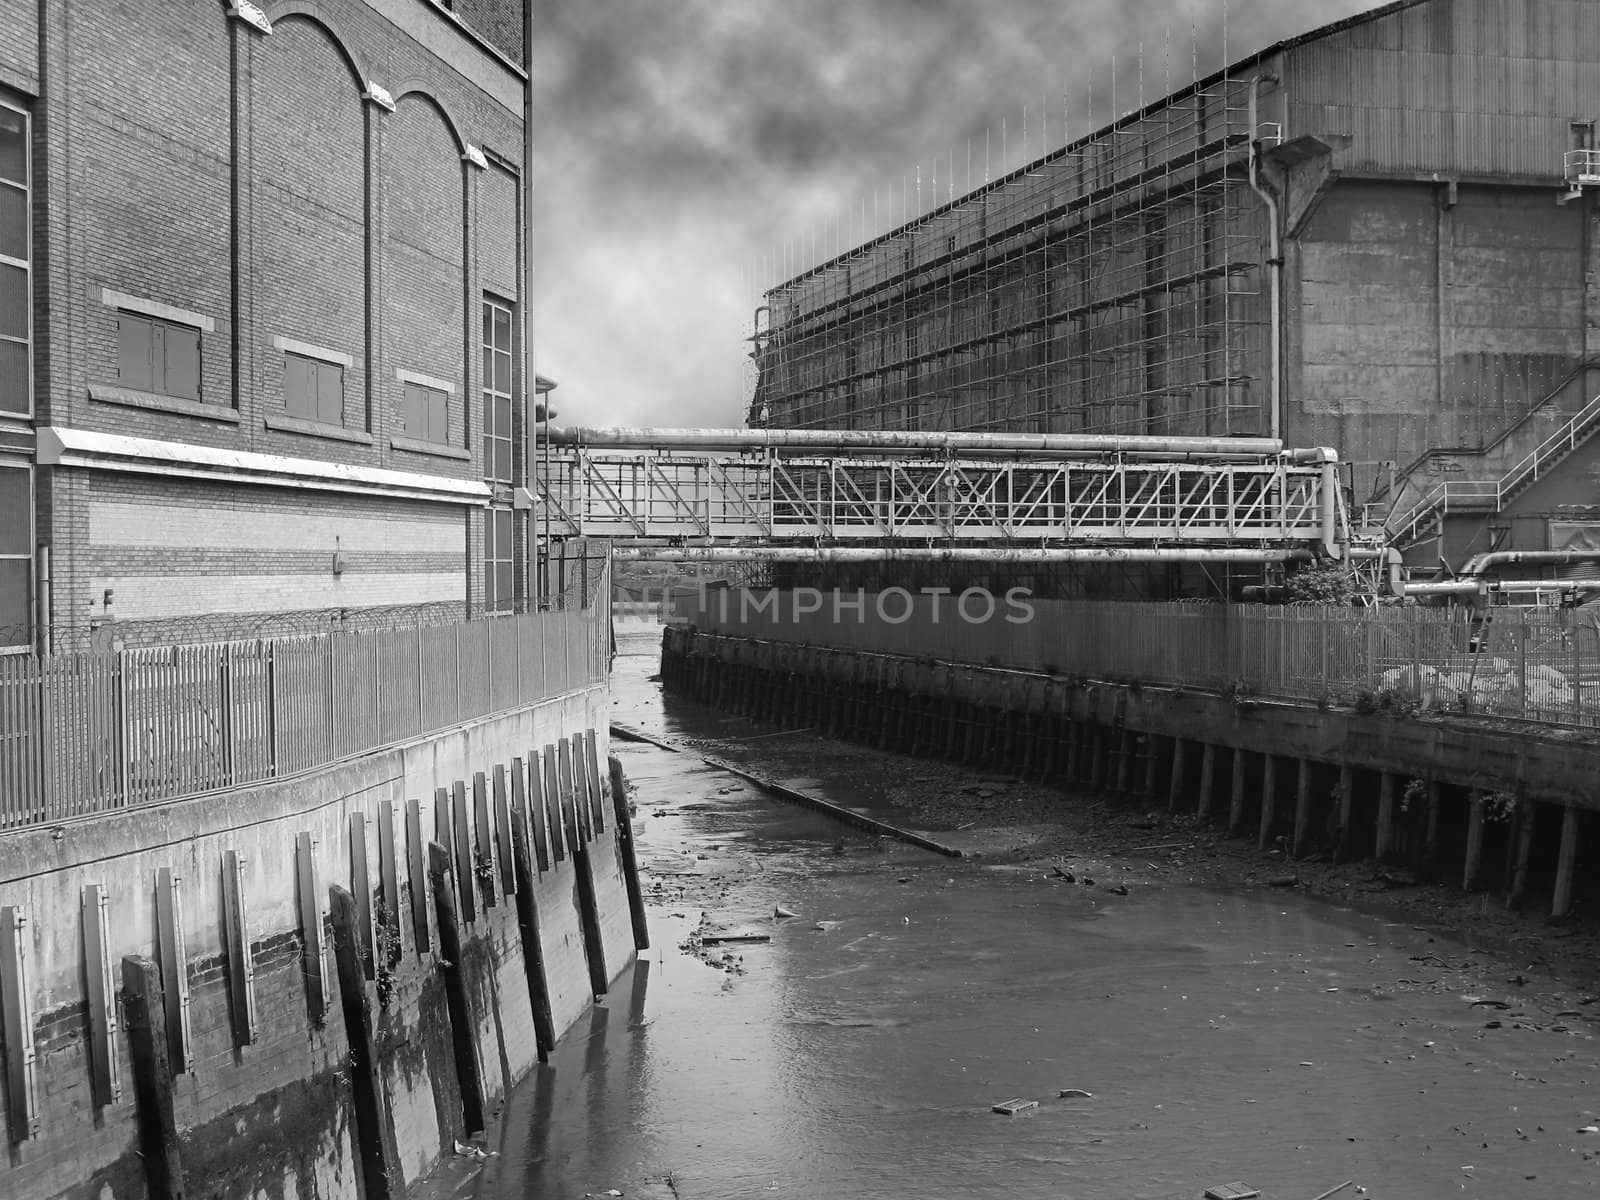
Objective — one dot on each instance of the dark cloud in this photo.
(682, 142)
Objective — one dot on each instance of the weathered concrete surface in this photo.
(1538, 762)
(270, 1114)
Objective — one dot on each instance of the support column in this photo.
(1151, 754)
(1347, 805)
(1385, 815)
(1302, 809)
(1124, 754)
(1097, 758)
(1175, 779)
(1269, 799)
(1074, 750)
(1430, 835)
(1566, 862)
(1473, 869)
(374, 1134)
(160, 1151)
(1526, 814)
(1236, 796)
(1208, 770)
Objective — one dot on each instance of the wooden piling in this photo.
(1302, 808)
(1124, 755)
(1269, 799)
(374, 1132)
(1236, 796)
(1472, 871)
(160, 1151)
(1385, 843)
(1345, 836)
(1566, 862)
(1175, 776)
(1208, 771)
(1526, 814)
(463, 1034)
(1429, 857)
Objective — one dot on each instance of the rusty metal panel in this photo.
(597, 789)
(104, 1078)
(16, 1023)
(502, 831)
(388, 916)
(464, 862)
(241, 956)
(308, 885)
(361, 885)
(552, 798)
(417, 870)
(174, 960)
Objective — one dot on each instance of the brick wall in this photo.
(241, 178)
(169, 547)
(19, 45)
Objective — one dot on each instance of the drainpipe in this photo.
(536, 547)
(42, 625)
(1274, 262)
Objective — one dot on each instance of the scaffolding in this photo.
(1112, 286)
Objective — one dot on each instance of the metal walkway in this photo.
(793, 495)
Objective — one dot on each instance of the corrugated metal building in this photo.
(1398, 173)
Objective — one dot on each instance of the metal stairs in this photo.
(1419, 510)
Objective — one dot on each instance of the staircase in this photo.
(1519, 457)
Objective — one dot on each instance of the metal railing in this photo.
(1522, 664)
(88, 733)
(1478, 494)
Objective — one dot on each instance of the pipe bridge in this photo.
(862, 495)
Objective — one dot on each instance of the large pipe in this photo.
(887, 439)
(963, 554)
(1274, 265)
(1479, 563)
(1472, 587)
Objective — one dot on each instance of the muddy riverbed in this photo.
(1223, 1030)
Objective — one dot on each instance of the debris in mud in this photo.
(1074, 1094)
(1232, 1191)
(826, 926)
(1284, 881)
(780, 912)
(717, 939)
(1010, 1108)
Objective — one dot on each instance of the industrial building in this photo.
(262, 313)
(1379, 237)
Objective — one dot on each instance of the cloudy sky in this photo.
(684, 145)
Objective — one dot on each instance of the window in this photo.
(1580, 135)
(313, 389)
(158, 356)
(424, 413)
(16, 555)
(497, 435)
(498, 587)
(16, 284)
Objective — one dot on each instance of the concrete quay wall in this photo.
(1497, 805)
(350, 968)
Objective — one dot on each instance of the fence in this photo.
(85, 733)
(1542, 666)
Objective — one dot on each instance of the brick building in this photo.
(1380, 236)
(261, 309)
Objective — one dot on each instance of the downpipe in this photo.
(1274, 264)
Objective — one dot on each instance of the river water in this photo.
(1223, 1037)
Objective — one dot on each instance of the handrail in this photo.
(1438, 498)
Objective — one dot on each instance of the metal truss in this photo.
(768, 499)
